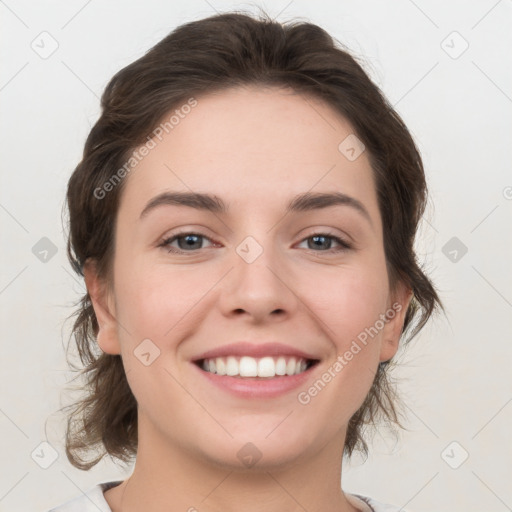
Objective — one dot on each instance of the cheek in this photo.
(155, 301)
(349, 309)
(158, 303)
(348, 301)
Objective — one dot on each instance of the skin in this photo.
(255, 149)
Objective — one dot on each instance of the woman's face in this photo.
(282, 270)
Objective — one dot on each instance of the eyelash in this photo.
(344, 245)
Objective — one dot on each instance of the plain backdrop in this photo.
(443, 65)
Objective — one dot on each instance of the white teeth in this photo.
(221, 366)
(290, 367)
(232, 367)
(281, 366)
(246, 366)
(266, 367)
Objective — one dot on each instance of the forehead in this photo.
(252, 145)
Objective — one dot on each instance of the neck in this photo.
(166, 477)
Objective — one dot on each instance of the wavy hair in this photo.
(197, 58)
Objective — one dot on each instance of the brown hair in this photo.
(200, 57)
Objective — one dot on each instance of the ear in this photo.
(395, 315)
(103, 304)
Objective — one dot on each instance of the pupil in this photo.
(191, 242)
(319, 240)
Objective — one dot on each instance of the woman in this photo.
(244, 218)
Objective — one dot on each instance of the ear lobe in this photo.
(393, 328)
(104, 310)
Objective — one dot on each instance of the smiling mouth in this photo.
(250, 367)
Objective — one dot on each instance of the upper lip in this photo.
(245, 348)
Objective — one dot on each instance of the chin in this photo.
(255, 452)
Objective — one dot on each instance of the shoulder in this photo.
(366, 504)
(91, 501)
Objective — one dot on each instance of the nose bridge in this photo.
(257, 261)
(259, 279)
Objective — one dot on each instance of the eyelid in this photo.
(327, 231)
(344, 244)
(189, 229)
(168, 239)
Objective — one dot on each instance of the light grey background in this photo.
(455, 377)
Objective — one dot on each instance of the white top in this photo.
(94, 501)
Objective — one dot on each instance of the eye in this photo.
(187, 242)
(323, 242)
(191, 242)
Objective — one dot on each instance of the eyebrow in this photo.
(192, 199)
(303, 202)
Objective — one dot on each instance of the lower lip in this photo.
(254, 387)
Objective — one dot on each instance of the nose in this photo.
(259, 289)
